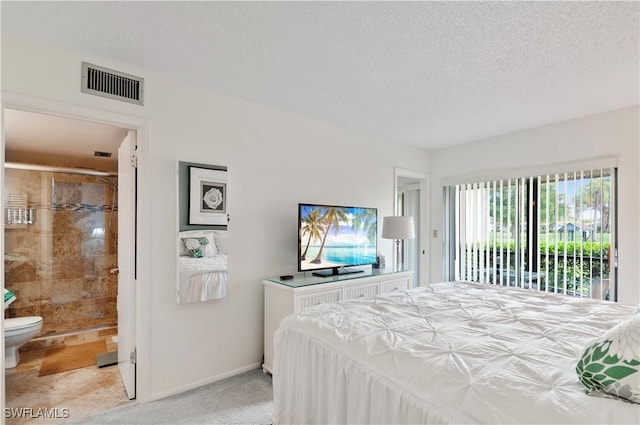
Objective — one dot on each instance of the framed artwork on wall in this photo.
(207, 196)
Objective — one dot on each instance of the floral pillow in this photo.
(611, 365)
(197, 247)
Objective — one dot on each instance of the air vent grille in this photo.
(102, 154)
(117, 85)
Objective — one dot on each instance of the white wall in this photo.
(613, 134)
(275, 160)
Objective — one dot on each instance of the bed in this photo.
(203, 265)
(450, 352)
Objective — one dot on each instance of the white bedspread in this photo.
(202, 279)
(448, 353)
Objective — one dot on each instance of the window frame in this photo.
(533, 178)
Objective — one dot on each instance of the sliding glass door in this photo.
(552, 233)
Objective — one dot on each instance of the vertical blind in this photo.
(551, 233)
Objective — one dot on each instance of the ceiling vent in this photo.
(116, 85)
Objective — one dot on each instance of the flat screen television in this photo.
(332, 238)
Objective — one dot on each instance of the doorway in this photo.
(411, 197)
(71, 186)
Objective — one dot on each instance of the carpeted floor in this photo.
(242, 399)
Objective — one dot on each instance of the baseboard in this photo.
(201, 382)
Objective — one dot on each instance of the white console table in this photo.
(283, 297)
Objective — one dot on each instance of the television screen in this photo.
(331, 238)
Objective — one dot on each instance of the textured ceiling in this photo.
(430, 74)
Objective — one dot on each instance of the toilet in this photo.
(17, 332)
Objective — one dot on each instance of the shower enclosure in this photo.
(62, 264)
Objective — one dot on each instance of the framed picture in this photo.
(207, 196)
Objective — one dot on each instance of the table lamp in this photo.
(398, 227)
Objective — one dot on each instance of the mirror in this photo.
(201, 245)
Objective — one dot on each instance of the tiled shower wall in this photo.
(59, 266)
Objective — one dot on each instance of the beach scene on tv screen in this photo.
(336, 236)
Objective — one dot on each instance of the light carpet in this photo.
(242, 399)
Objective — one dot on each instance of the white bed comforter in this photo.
(203, 279)
(447, 353)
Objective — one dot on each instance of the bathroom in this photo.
(59, 265)
(61, 261)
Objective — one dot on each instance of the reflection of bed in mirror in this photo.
(202, 265)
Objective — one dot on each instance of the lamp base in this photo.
(398, 263)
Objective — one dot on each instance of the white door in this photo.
(126, 263)
(418, 206)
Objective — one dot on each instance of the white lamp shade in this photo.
(398, 227)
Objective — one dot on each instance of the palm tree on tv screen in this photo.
(332, 217)
(365, 220)
(313, 227)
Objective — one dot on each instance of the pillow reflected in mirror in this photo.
(198, 247)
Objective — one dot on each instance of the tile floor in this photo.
(66, 396)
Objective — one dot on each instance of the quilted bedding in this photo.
(451, 352)
(203, 279)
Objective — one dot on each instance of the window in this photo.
(552, 232)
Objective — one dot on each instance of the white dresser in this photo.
(283, 297)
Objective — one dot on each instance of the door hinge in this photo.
(133, 357)
(134, 161)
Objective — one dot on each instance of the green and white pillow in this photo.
(611, 365)
(197, 247)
